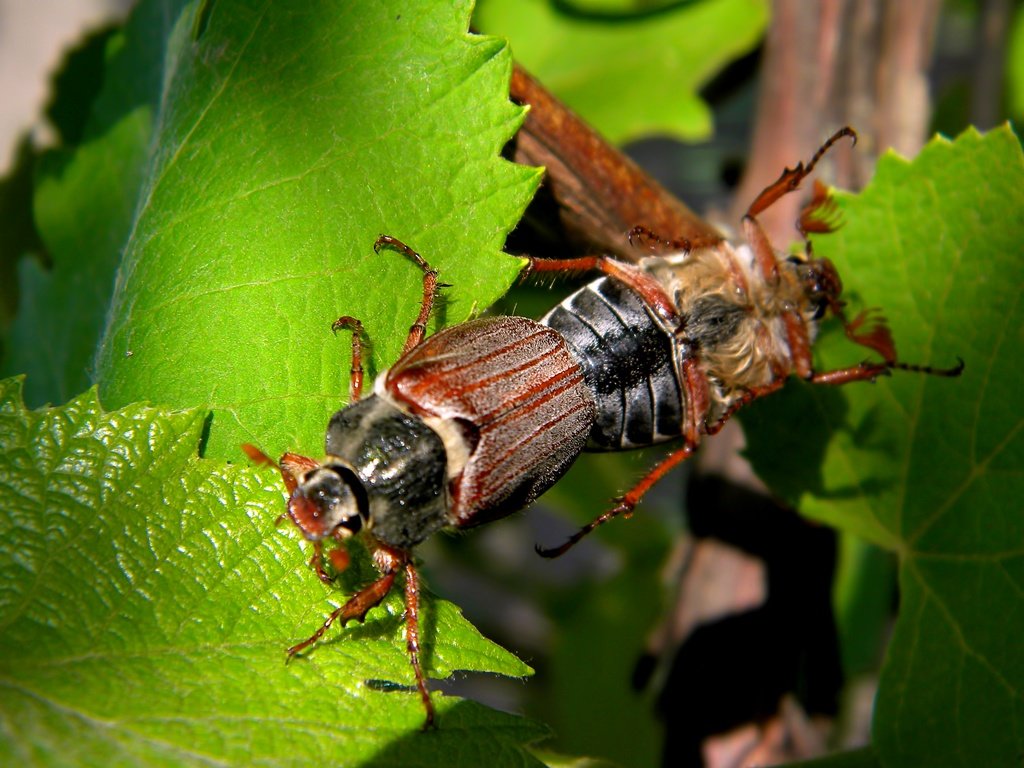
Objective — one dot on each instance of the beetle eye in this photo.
(328, 498)
(353, 524)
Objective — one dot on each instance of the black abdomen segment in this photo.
(628, 362)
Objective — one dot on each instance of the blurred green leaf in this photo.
(553, 760)
(654, 64)
(928, 467)
(84, 199)
(146, 599)
(857, 758)
(75, 88)
(863, 595)
(18, 235)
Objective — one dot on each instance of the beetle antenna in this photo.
(951, 373)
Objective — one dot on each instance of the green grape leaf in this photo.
(279, 141)
(653, 63)
(926, 466)
(147, 597)
(289, 137)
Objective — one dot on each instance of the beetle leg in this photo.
(698, 400)
(653, 240)
(430, 286)
(647, 287)
(951, 373)
(412, 637)
(791, 177)
(861, 372)
(877, 338)
(316, 562)
(755, 236)
(355, 378)
(799, 346)
(390, 560)
(871, 371)
(355, 608)
(627, 503)
(788, 182)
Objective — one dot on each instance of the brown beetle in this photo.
(674, 345)
(469, 425)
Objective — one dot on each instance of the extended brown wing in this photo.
(601, 194)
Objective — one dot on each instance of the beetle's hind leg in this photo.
(649, 289)
(627, 503)
(412, 638)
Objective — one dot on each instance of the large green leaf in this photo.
(146, 599)
(929, 467)
(285, 138)
(630, 75)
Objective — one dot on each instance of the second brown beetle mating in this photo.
(474, 422)
(674, 345)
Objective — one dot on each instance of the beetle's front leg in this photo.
(355, 608)
(649, 289)
(355, 376)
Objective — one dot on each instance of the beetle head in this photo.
(822, 285)
(329, 501)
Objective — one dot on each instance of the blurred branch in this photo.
(858, 62)
(994, 23)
